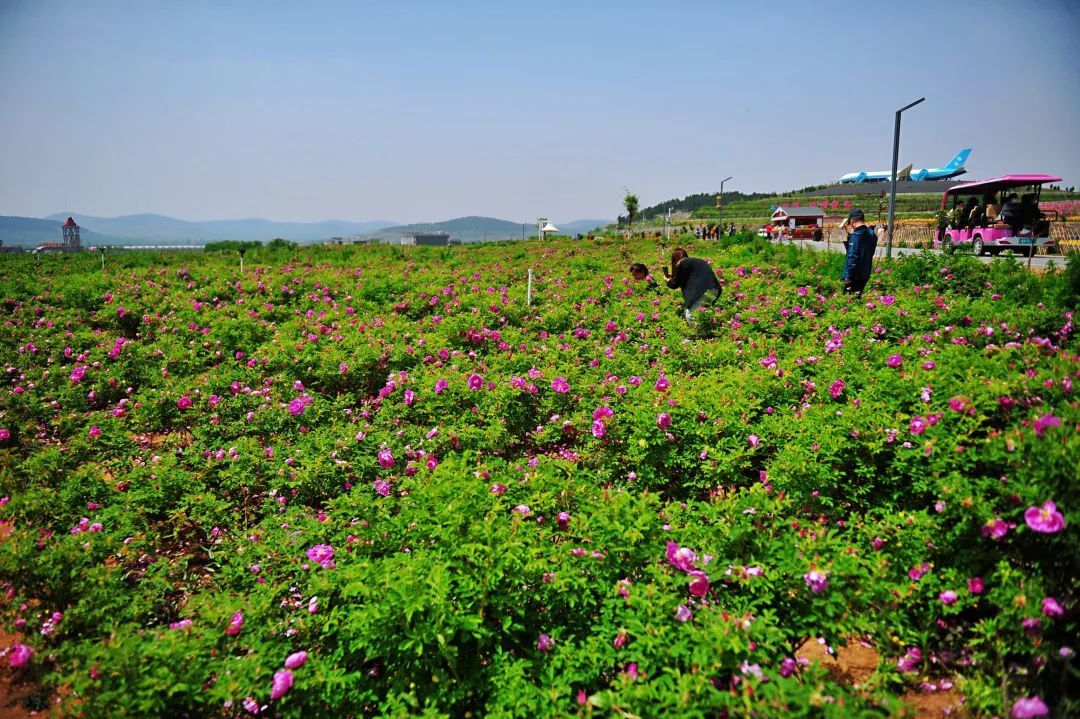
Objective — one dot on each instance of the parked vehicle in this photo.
(805, 232)
(1020, 234)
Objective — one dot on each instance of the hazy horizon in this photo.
(209, 111)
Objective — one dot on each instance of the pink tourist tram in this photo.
(994, 234)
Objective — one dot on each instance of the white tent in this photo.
(549, 228)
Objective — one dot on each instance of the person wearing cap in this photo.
(861, 244)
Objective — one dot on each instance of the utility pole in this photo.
(720, 201)
(892, 177)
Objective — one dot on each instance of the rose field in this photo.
(379, 481)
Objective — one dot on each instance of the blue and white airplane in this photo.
(954, 168)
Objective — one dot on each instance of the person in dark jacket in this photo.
(1010, 214)
(861, 244)
(696, 279)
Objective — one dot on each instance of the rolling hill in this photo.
(31, 232)
(151, 229)
(159, 229)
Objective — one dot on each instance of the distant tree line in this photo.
(278, 243)
(694, 202)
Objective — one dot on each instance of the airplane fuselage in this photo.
(917, 175)
(954, 168)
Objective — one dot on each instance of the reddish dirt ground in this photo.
(856, 662)
(13, 692)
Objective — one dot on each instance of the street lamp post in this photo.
(892, 177)
(720, 204)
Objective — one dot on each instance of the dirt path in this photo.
(856, 662)
(14, 692)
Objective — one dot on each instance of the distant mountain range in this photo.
(150, 229)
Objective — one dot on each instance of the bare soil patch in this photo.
(15, 693)
(858, 661)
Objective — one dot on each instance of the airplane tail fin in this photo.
(957, 162)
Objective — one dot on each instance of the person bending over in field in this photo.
(695, 278)
(641, 273)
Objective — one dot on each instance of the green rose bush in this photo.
(378, 481)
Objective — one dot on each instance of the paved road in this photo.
(1038, 262)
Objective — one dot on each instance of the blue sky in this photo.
(423, 111)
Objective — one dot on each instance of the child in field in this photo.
(641, 273)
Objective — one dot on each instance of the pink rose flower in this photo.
(20, 655)
(663, 420)
(296, 660)
(817, 581)
(1029, 708)
(1046, 519)
(910, 661)
(560, 385)
(918, 571)
(544, 643)
(322, 554)
(1051, 607)
(235, 623)
(283, 681)
(184, 402)
(699, 583)
(682, 558)
(1047, 420)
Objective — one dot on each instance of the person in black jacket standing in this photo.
(861, 244)
(696, 279)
